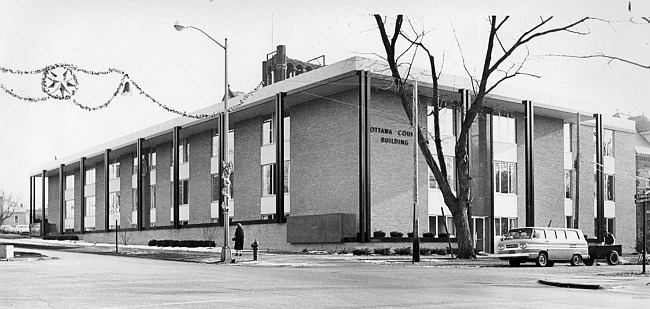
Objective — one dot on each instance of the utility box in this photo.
(6, 252)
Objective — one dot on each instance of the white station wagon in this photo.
(544, 246)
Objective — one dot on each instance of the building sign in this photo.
(399, 137)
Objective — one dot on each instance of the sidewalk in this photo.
(597, 278)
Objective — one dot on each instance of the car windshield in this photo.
(519, 234)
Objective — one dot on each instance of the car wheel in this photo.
(612, 257)
(542, 259)
(513, 263)
(576, 259)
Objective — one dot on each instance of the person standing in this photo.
(239, 240)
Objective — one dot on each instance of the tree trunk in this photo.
(463, 232)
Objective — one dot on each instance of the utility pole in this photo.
(416, 237)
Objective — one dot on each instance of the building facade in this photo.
(324, 157)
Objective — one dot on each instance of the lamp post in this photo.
(226, 254)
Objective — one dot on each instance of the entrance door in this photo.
(479, 232)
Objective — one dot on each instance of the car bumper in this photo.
(506, 255)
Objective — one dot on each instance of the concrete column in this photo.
(530, 163)
(175, 175)
(364, 158)
(279, 156)
(82, 180)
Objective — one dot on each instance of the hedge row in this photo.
(182, 243)
(399, 251)
(61, 237)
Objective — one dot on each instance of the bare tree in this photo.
(492, 75)
(8, 204)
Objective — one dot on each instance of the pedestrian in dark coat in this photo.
(239, 239)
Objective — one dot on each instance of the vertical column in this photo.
(61, 199)
(82, 180)
(364, 162)
(222, 137)
(139, 182)
(600, 185)
(43, 198)
(279, 156)
(107, 206)
(175, 174)
(31, 199)
(576, 207)
(529, 164)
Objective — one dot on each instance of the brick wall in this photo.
(324, 156)
(77, 200)
(624, 190)
(163, 184)
(392, 167)
(248, 171)
(549, 172)
(200, 177)
(126, 194)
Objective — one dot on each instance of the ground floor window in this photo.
(152, 197)
(437, 226)
(503, 225)
(183, 192)
(268, 178)
(610, 225)
(69, 209)
(569, 222)
(90, 206)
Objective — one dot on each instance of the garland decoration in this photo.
(59, 82)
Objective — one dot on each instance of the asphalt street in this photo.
(79, 280)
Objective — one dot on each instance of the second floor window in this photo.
(69, 182)
(114, 170)
(451, 174)
(90, 176)
(567, 183)
(505, 177)
(447, 121)
(503, 127)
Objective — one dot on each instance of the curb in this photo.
(585, 286)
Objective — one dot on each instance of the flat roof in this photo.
(323, 80)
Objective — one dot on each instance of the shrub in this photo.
(441, 251)
(429, 235)
(182, 243)
(379, 234)
(153, 242)
(396, 234)
(61, 237)
(426, 251)
(361, 251)
(382, 251)
(409, 234)
(443, 235)
(344, 251)
(403, 251)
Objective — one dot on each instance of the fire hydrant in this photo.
(254, 245)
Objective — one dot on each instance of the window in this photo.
(216, 189)
(449, 221)
(114, 203)
(267, 130)
(152, 196)
(184, 192)
(505, 177)
(69, 182)
(90, 176)
(69, 209)
(135, 165)
(90, 206)
(152, 159)
(572, 235)
(550, 234)
(569, 222)
(134, 195)
(215, 143)
(114, 170)
(567, 183)
(183, 151)
(503, 225)
(268, 178)
(567, 137)
(447, 121)
(451, 174)
(15, 218)
(608, 143)
(609, 187)
(610, 225)
(503, 127)
(433, 227)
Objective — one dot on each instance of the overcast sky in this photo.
(184, 70)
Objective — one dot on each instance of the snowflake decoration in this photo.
(59, 82)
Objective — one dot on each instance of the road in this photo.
(78, 280)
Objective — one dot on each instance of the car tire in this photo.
(576, 259)
(513, 263)
(542, 259)
(612, 257)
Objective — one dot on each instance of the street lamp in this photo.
(226, 253)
